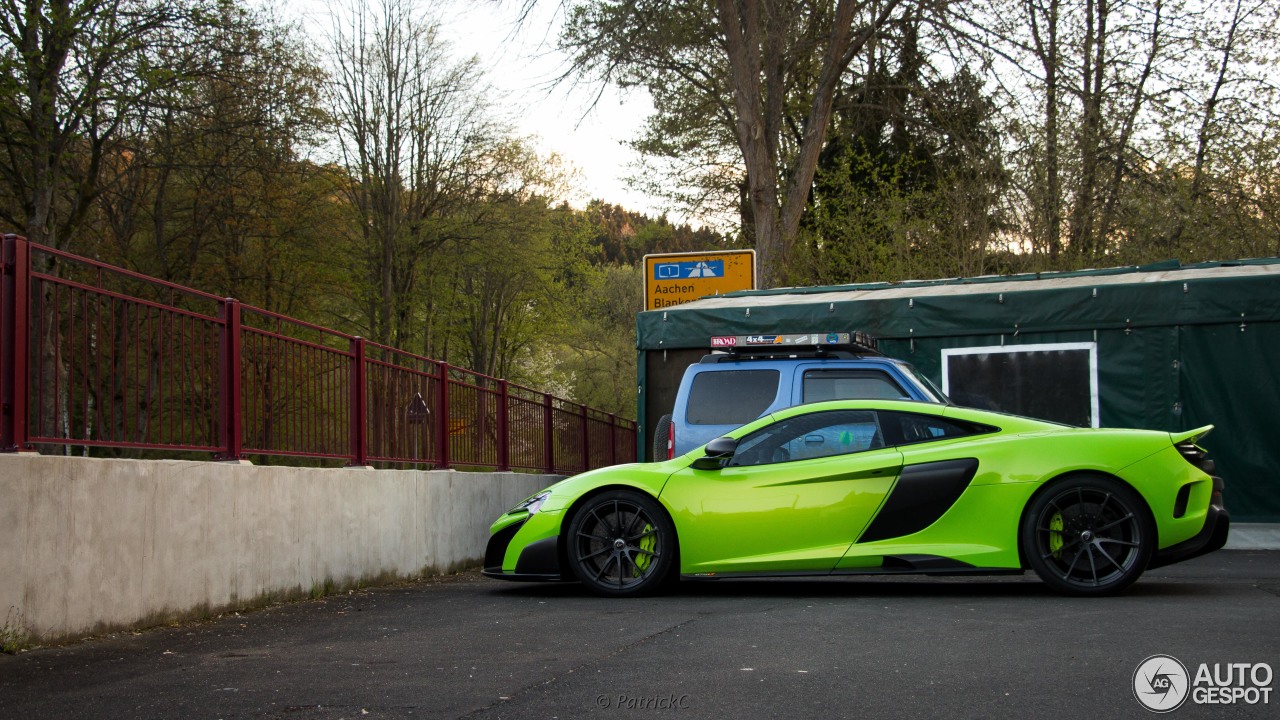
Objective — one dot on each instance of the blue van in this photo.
(763, 374)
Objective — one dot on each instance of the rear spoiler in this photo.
(1190, 436)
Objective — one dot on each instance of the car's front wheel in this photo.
(621, 544)
(1088, 535)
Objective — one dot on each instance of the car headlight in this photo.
(533, 504)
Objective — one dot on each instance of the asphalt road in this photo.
(469, 647)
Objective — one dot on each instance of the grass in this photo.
(13, 634)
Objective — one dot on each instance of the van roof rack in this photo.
(770, 346)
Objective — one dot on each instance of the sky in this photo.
(521, 64)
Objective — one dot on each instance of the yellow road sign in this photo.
(675, 278)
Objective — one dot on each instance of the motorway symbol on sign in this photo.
(679, 270)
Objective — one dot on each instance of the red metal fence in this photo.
(94, 355)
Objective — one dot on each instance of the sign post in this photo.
(672, 279)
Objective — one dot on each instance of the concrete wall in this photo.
(89, 545)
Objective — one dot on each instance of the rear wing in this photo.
(1190, 436)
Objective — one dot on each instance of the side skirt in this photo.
(931, 565)
(515, 577)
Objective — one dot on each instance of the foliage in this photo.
(909, 184)
(598, 353)
(997, 133)
(758, 76)
(75, 78)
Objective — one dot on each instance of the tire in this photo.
(1088, 536)
(621, 544)
(660, 433)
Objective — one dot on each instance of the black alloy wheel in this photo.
(1088, 536)
(621, 544)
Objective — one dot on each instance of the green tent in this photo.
(1165, 347)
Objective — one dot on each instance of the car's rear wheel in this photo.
(621, 543)
(1088, 535)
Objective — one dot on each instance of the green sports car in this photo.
(856, 487)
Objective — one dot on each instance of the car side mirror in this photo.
(719, 451)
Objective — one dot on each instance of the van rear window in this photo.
(733, 397)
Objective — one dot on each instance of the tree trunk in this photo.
(751, 29)
(1085, 242)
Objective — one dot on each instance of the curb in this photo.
(1254, 536)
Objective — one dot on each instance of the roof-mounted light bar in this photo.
(858, 340)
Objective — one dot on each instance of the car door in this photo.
(794, 496)
(940, 462)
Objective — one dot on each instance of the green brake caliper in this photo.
(648, 541)
(1055, 535)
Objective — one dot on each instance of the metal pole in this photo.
(14, 348)
(442, 418)
(504, 429)
(359, 405)
(613, 439)
(586, 454)
(231, 420)
(548, 434)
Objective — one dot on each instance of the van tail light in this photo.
(671, 440)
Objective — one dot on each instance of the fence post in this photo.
(504, 429)
(613, 439)
(230, 419)
(14, 348)
(359, 405)
(586, 452)
(442, 417)
(548, 434)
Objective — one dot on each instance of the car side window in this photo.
(902, 428)
(849, 384)
(811, 436)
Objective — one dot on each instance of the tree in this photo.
(909, 184)
(1102, 99)
(766, 68)
(1234, 110)
(216, 187)
(600, 366)
(512, 278)
(623, 237)
(416, 141)
(72, 76)
(211, 189)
